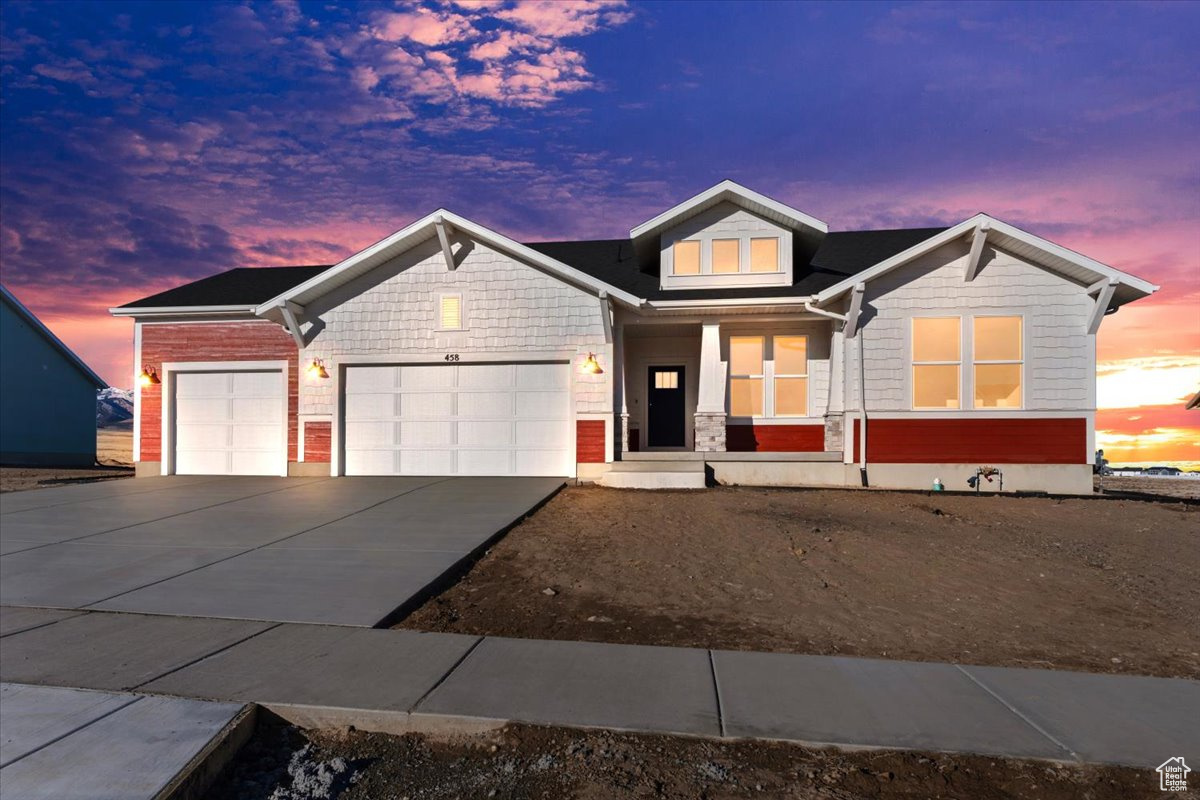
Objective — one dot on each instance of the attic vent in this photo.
(450, 312)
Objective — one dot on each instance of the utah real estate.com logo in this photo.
(1172, 775)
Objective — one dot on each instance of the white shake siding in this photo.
(507, 306)
(1058, 350)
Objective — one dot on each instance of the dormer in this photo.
(728, 237)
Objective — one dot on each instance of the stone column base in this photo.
(624, 433)
(710, 432)
(835, 436)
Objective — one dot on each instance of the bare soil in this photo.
(1188, 488)
(1082, 584)
(282, 762)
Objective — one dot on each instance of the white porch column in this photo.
(835, 413)
(620, 403)
(710, 401)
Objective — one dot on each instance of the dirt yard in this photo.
(1083, 584)
(531, 762)
(1188, 488)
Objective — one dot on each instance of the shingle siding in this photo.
(508, 306)
(1058, 349)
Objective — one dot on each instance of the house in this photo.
(48, 404)
(730, 332)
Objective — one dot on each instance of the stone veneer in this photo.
(834, 432)
(710, 432)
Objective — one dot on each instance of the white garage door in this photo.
(229, 423)
(465, 419)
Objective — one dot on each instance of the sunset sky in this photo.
(148, 144)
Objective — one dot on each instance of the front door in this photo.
(666, 409)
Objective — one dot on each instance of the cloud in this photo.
(557, 19)
(423, 25)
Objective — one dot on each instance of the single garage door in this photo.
(230, 423)
(458, 419)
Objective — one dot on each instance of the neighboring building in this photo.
(730, 331)
(48, 402)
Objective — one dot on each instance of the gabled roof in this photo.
(243, 287)
(807, 228)
(423, 229)
(36, 324)
(1021, 243)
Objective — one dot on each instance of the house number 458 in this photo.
(452, 356)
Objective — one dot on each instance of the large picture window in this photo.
(746, 376)
(998, 362)
(936, 362)
(791, 376)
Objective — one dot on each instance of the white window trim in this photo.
(975, 361)
(913, 363)
(699, 259)
(462, 311)
(712, 247)
(775, 374)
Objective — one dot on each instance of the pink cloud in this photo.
(422, 25)
(559, 18)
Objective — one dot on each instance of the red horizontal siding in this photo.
(317, 436)
(216, 341)
(589, 441)
(977, 441)
(775, 438)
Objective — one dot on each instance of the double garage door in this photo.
(454, 419)
(458, 419)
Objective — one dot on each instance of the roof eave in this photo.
(182, 311)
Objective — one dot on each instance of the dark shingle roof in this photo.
(839, 256)
(234, 287)
(612, 261)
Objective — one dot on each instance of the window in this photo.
(746, 376)
(450, 312)
(686, 259)
(764, 255)
(791, 376)
(725, 256)
(998, 362)
(936, 362)
(664, 379)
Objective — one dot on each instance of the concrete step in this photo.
(658, 466)
(655, 475)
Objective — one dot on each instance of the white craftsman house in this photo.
(731, 336)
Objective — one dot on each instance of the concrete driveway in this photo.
(344, 551)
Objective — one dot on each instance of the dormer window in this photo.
(725, 256)
(764, 255)
(686, 258)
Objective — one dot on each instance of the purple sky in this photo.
(145, 144)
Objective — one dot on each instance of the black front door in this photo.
(666, 410)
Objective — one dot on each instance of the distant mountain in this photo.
(113, 407)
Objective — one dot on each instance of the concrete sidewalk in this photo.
(62, 744)
(405, 680)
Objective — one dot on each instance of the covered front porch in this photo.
(738, 384)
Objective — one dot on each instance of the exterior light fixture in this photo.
(591, 365)
(317, 369)
(148, 377)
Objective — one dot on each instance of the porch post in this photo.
(619, 385)
(710, 405)
(835, 412)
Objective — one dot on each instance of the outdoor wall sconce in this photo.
(592, 366)
(148, 377)
(317, 369)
